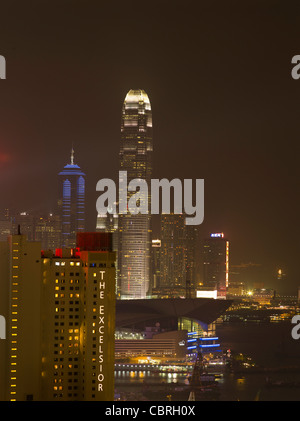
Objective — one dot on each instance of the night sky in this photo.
(225, 108)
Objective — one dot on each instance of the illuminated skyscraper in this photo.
(72, 202)
(216, 263)
(135, 230)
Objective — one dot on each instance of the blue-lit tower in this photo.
(71, 202)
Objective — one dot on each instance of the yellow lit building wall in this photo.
(99, 325)
(62, 318)
(23, 322)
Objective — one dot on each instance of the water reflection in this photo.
(138, 376)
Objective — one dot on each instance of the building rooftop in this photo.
(203, 310)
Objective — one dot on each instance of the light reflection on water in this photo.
(269, 345)
(137, 376)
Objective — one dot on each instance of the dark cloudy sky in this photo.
(225, 108)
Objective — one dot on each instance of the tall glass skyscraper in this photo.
(72, 202)
(135, 230)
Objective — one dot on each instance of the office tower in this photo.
(173, 255)
(48, 231)
(78, 321)
(20, 265)
(38, 227)
(5, 229)
(281, 281)
(5, 224)
(26, 221)
(71, 202)
(191, 233)
(155, 264)
(135, 230)
(216, 264)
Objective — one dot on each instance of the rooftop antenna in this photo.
(72, 155)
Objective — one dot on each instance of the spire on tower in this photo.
(72, 156)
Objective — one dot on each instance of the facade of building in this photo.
(60, 320)
(191, 233)
(78, 342)
(134, 251)
(216, 264)
(263, 296)
(71, 202)
(24, 222)
(36, 227)
(165, 345)
(177, 257)
(173, 254)
(5, 229)
(155, 264)
(47, 230)
(109, 223)
(20, 265)
(236, 289)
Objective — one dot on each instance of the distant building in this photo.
(5, 229)
(26, 222)
(164, 345)
(36, 227)
(216, 263)
(281, 282)
(71, 202)
(177, 257)
(155, 264)
(191, 234)
(48, 231)
(236, 289)
(263, 296)
(173, 255)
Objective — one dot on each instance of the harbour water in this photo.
(273, 350)
(270, 346)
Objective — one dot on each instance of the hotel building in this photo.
(60, 319)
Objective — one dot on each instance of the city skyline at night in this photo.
(149, 185)
(233, 124)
